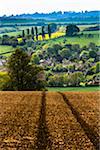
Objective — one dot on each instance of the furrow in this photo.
(91, 134)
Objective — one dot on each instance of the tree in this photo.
(76, 78)
(36, 31)
(53, 27)
(72, 30)
(54, 50)
(24, 76)
(49, 31)
(32, 33)
(13, 41)
(56, 80)
(28, 31)
(65, 53)
(35, 59)
(92, 54)
(97, 67)
(5, 40)
(43, 33)
(23, 33)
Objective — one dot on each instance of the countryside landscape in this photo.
(49, 76)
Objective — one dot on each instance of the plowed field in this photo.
(49, 121)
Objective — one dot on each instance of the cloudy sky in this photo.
(9, 7)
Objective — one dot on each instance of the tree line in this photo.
(34, 32)
(71, 30)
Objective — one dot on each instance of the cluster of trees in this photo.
(72, 52)
(11, 41)
(33, 32)
(73, 79)
(66, 59)
(64, 65)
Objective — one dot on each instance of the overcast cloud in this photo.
(9, 7)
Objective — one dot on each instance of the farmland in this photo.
(79, 40)
(5, 49)
(49, 120)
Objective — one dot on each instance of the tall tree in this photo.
(43, 33)
(23, 33)
(28, 31)
(24, 76)
(32, 33)
(49, 31)
(36, 31)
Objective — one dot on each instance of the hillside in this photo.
(49, 120)
(67, 60)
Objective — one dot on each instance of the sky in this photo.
(10, 7)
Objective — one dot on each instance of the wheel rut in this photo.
(43, 142)
(91, 134)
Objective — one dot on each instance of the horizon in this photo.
(50, 12)
(44, 6)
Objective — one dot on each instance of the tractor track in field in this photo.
(43, 142)
(91, 134)
(44, 121)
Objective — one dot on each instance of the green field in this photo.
(73, 89)
(4, 49)
(82, 40)
(16, 33)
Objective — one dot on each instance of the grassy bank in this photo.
(79, 89)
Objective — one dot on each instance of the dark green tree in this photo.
(36, 31)
(53, 27)
(5, 40)
(72, 30)
(49, 31)
(32, 33)
(28, 31)
(23, 33)
(13, 41)
(43, 33)
(92, 54)
(98, 67)
(24, 76)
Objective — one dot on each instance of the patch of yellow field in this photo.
(53, 35)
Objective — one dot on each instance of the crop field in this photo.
(49, 120)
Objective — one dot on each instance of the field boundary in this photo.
(91, 134)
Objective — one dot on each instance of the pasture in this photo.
(49, 120)
(81, 40)
(4, 49)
